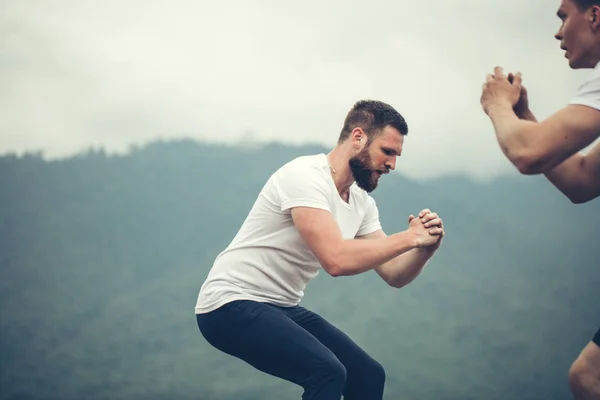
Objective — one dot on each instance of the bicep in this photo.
(562, 135)
(591, 168)
(320, 232)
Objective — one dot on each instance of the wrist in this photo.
(412, 238)
(499, 109)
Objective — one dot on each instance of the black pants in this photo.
(297, 345)
(596, 338)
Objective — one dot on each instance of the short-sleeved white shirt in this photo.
(588, 94)
(267, 260)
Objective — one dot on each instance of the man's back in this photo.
(267, 259)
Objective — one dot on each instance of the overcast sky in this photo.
(110, 73)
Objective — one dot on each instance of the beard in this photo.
(362, 169)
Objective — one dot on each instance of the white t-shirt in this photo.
(588, 94)
(268, 261)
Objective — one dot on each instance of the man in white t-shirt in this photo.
(314, 213)
(553, 147)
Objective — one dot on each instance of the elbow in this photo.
(530, 164)
(333, 268)
(526, 169)
(577, 200)
(336, 263)
(580, 196)
(396, 281)
(527, 165)
(396, 285)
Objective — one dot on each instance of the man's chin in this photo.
(575, 63)
(367, 187)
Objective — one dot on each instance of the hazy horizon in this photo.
(78, 74)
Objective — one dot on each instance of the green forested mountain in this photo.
(101, 259)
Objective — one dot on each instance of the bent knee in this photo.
(339, 372)
(374, 373)
(333, 369)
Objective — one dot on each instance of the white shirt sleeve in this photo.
(588, 94)
(371, 221)
(302, 188)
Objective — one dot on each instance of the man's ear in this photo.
(594, 17)
(358, 137)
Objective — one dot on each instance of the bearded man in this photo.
(314, 213)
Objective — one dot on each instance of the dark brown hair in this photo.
(585, 4)
(372, 116)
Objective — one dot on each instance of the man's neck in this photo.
(339, 166)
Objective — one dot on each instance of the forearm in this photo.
(511, 131)
(356, 256)
(571, 178)
(405, 268)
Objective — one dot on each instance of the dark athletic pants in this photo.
(596, 338)
(297, 345)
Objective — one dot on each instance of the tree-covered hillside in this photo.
(102, 257)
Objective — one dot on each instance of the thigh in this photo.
(266, 338)
(354, 358)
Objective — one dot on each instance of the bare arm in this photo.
(578, 178)
(339, 256)
(403, 269)
(536, 148)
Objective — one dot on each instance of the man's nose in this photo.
(391, 164)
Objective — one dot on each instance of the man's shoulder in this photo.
(307, 164)
(591, 84)
(302, 181)
(311, 170)
(308, 160)
(588, 93)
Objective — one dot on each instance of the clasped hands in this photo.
(428, 228)
(504, 90)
